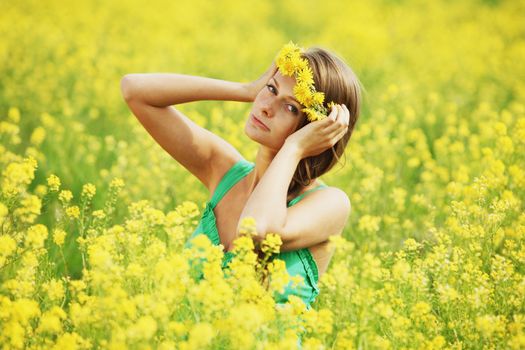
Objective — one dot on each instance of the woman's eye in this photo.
(270, 87)
(293, 109)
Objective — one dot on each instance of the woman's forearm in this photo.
(267, 202)
(166, 89)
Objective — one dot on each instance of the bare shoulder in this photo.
(332, 197)
(319, 215)
(339, 198)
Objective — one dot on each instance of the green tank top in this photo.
(298, 262)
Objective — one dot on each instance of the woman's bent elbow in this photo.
(125, 87)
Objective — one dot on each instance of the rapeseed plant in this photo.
(94, 215)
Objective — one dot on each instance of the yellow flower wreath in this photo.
(290, 63)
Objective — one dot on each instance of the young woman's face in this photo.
(276, 107)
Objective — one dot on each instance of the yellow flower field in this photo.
(94, 214)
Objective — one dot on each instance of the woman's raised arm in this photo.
(150, 97)
(204, 154)
(166, 89)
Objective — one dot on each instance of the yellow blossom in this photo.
(116, 183)
(290, 63)
(178, 328)
(65, 196)
(73, 212)
(17, 175)
(53, 182)
(54, 289)
(29, 208)
(410, 244)
(36, 236)
(13, 114)
(3, 211)
(201, 335)
(306, 75)
(369, 223)
(313, 115)
(143, 329)
(318, 98)
(248, 226)
(490, 325)
(71, 341)
(303, 93)
(99, 214)
(7, 246)
(50, 322)
(38, 136)
(279, 277)
(58, 236)
(23, 310)
(271, 244)
(447, 293)
(88, 190)
(398, 196)
(40, 190)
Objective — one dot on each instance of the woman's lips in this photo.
(260, 123)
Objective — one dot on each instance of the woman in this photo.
(280, 190)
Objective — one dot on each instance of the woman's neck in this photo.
(262, 162)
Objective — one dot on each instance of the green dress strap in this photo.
(239, 170)
(232, 176)
(299, 197)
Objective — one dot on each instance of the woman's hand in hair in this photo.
(253, 88)
(318, 136)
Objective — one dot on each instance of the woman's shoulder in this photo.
(318, 185)
(334, 193)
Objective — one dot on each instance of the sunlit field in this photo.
(94, 214)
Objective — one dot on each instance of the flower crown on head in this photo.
(290, 63)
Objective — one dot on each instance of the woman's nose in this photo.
(267, 108)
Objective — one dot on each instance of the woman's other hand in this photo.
(255, 86)
(316, 137)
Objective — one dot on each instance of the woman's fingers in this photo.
(347, 114)
(336, 125)
(340, 135)
(337, 116)
(329, 122)
(335, 132)
(332, 116)
(337, 119)
(338, 128)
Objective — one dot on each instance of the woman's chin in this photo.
(260, 139)
(251, 134)
(255, 137)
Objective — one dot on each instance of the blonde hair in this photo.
(340, 85)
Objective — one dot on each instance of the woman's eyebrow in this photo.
(288, 96)
(275, 80)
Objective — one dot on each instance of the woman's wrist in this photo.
(293, 150)
(248, 91)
